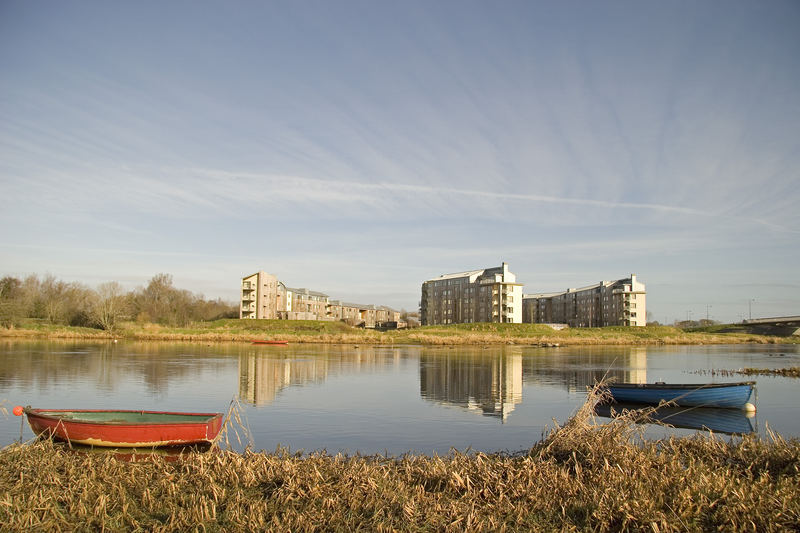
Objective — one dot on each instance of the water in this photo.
(373, 399)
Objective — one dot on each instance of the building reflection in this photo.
(262, 376)
(487, 384)
(492, 383)
(264, 373)
(580, 368)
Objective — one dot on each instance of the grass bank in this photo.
(582, 477)
(310, 331)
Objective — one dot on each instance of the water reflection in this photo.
(265, 371)
(491, 384)
(369, 398)
(263, 376)
(487, 384)
(728, 421)
(576, 369)
(45, 365)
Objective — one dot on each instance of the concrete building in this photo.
(488, 295)
(264, 296)
(259, 296)
(307, 301)
(369, 315)
(608, 303)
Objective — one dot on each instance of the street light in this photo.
(750, 307)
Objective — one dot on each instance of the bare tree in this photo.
(75, 304)
(53, 299)
(152, 302)
(109, 305)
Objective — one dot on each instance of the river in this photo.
(375, 399)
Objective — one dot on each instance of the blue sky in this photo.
(360, 148)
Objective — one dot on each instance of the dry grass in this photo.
(582, 477)
(793, 372)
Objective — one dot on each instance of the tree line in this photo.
(104, 307)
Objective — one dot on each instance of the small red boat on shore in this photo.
(269, 342)
(124, 429)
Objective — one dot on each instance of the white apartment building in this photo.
(609, 303)
(488, 295)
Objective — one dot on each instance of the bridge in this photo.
(780, 325)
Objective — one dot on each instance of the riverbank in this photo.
(581, 477)
(324, 332)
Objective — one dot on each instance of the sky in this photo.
(361, 148)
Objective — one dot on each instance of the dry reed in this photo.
(582, 477)
(792, 372)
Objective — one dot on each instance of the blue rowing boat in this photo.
(728, 395)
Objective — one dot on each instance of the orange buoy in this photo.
(18, 410)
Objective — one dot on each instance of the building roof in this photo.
(307, 292)
(474, 274)
(580, 289)
(466, 274)
(542, 295)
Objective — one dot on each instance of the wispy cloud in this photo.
(331, 192)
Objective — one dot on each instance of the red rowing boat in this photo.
(269, 342)
(125, 429)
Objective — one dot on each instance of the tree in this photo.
(108, 305)
(12, 305)
(153, 300)
(75, 304)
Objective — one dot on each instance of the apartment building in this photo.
(308, 301)
(488, 295)
(609, 303)
(259, 296)
(345, 311)
(264, 296)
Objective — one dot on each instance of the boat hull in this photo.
(722, 395)
(125, 429)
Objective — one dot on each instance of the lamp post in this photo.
(750, 307)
